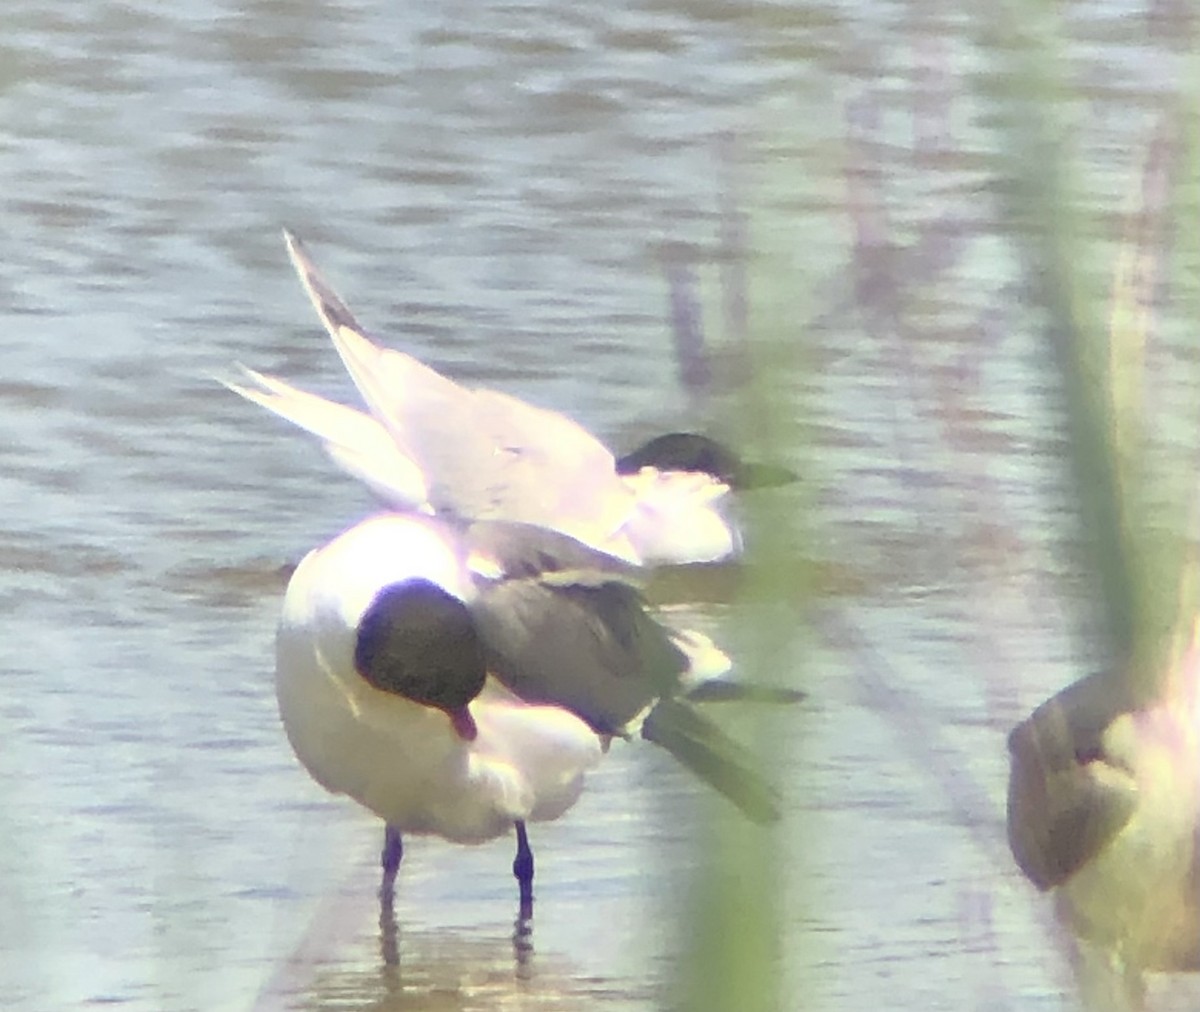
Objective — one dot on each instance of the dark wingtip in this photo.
(721, 690)
(329, 305)
(714, 757)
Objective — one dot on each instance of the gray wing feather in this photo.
(592, 648)
(523, 551)
(564, 624)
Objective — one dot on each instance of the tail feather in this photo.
(713, 756)
(359, 444)
(332, 422)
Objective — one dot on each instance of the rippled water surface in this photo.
(504, 189)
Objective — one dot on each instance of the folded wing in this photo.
(565, 625)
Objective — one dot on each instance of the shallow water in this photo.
(496, 188)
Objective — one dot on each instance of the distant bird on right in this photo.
(1104, 808)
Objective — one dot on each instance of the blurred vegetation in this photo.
(731, 922)
(1136, 536)
(1134, 485)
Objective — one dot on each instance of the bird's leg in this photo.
(523, 870)
(393, 851)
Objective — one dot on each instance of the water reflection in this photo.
(389, 934)
(465, 970)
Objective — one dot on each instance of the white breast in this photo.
(402, 760)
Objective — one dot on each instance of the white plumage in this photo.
(401, 759)
(429, 444)
(459, 664)
(461, 680)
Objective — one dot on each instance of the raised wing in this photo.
(484, 454)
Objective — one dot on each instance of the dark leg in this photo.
(393, 851)
(523, 870)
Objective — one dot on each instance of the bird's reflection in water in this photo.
(523, 941)
(441, 970)
(389, 940)
(389, 934)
